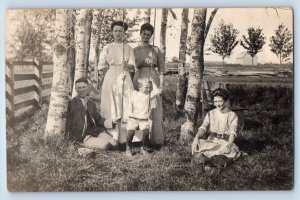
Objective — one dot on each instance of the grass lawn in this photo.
(35, 163)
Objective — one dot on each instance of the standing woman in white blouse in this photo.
(118, 59)
(215, 137)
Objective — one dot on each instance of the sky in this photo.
(241, 18)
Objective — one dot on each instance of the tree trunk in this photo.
(80, 39)
(163, 32)
(59, 93)
(95, 42)
(280, 59)
(87, 38)
(147, 15)
(195, 74)
(181, 84)
(71, 51)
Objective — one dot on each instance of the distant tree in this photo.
(254, 42)
(282, 44)
(33, 36)
(224, 40)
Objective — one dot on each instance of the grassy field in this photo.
(35, 163)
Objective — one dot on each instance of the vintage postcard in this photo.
(170, 99)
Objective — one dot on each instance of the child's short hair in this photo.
(144, 81)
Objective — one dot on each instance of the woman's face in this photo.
(145, 36)
(118, 33)
(219, 102)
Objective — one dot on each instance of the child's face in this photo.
(145, 88)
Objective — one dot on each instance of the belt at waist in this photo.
(220, 136)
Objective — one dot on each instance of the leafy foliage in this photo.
(224, 40)
(281, 43)
(34, 36)
(254, 42)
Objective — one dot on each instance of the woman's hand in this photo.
(227, 148)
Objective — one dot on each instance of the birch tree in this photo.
(95, 41)
(81, 45)
(71, 52)
(181, 84)
(163, 31)
(59, 93)
(198, 35)
(87, 41)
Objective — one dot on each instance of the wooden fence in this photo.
(27, 84)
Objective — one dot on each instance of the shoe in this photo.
(128, 153)
(144, 152)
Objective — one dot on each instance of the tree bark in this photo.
(163, 32)
(195, 74)
(147, 15)
(87, 38)
(71, 51)
(182, 79)
(80, 39)
(59, 93)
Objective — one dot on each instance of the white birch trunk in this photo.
(59, 93)
(80, 68)
(195, 74)
(163, 32)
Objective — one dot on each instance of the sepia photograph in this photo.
(149, 99)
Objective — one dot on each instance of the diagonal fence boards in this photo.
(28, 83)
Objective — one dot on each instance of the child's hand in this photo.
(116, 119)
(123, 77)
(124, 63)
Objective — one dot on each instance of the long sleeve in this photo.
(205, 123)
(233, 123)
(103, 64)
(131, 59)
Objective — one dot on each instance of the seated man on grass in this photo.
(84, 123)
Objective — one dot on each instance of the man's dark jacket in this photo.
(75, 120)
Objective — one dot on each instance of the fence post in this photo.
(39, 74)
(10, 82)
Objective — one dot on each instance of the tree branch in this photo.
(212, 15)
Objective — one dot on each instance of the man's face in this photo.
(82, 89)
